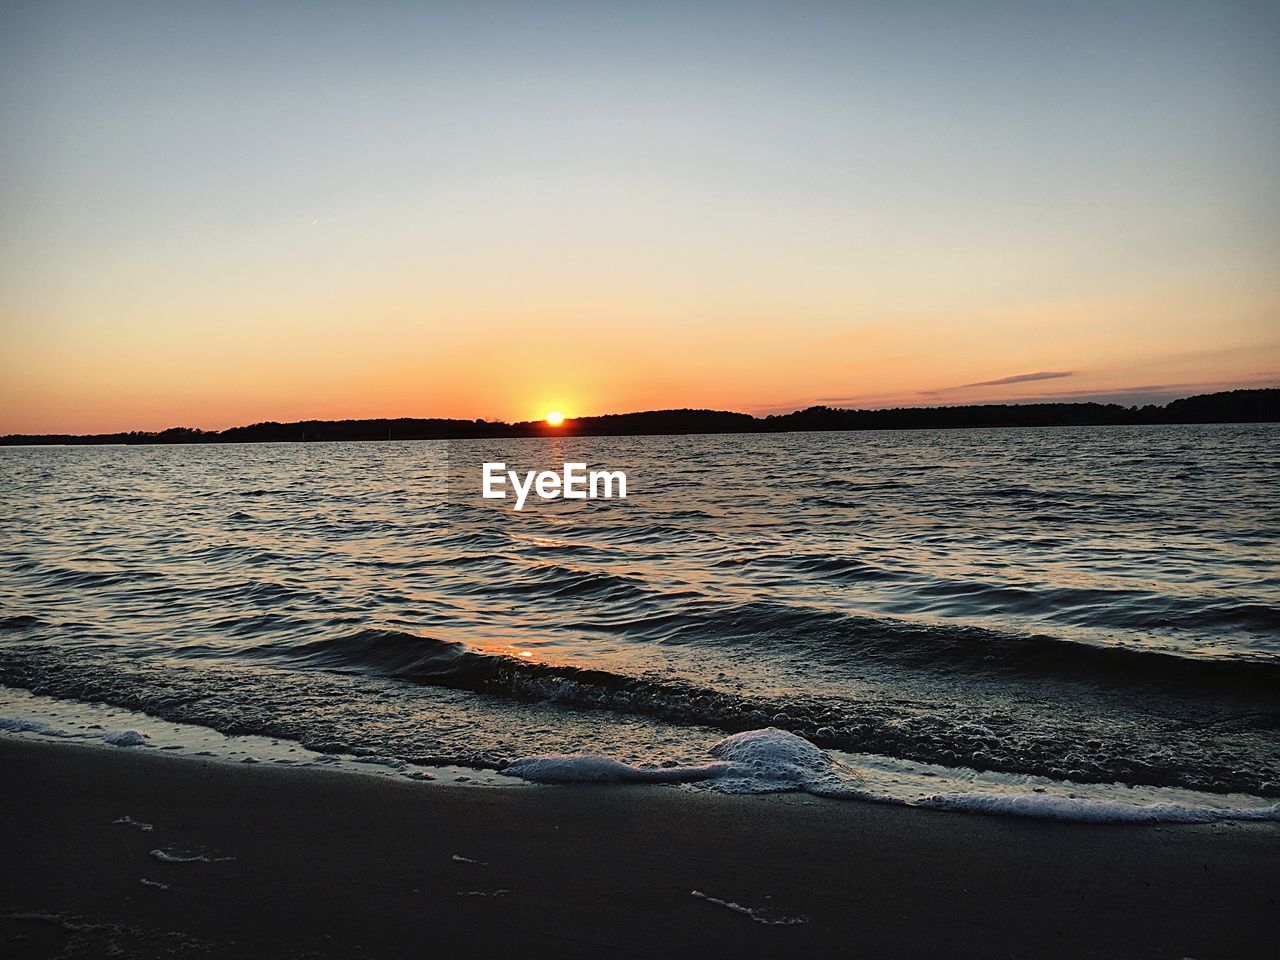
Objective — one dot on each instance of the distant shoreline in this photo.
(1234, 406)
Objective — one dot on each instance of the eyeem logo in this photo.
(574, 483)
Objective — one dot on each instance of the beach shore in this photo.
(325, 864)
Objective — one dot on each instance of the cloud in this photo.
(1002, 381)
(1019, 378)
(1156, 393)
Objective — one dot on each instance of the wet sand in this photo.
(324, 864)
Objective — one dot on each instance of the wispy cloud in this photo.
(1159, 392)
(1002, 381)
(1126, 396)
(1019, 378)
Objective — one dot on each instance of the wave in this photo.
(20, 622)
(451, 663)
(871, 727)
(1131, 610)
(940, 647)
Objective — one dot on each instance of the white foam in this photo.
(27, 715)
(183, 856)
(595, 768)
(125, 738)
(759, 916)
(381, 761)
(757, 761)
(25, 725)
(118, 738)
(773, 761)
(137, 824)
(1047, 807)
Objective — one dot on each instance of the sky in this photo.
(216, 214)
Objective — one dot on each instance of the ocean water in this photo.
(1064, 606)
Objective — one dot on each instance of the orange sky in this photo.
(208, 222)
(517, 360)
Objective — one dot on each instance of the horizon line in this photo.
(705, 411)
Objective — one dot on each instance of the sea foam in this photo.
(125, 738)
(117, 738)
(23, 725)
(774, 761)
(1047, 807)
(757, 761)
(595, 768)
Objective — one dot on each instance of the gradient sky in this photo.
(214, 214)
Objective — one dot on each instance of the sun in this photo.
(555, 418)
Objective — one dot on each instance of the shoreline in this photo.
(775, 762)
(89, 440)
(326, 863)
(1240, 406)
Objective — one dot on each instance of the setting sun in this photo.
(555, 418)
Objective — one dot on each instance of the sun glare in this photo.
(555, 418)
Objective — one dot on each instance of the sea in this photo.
(1071, 622)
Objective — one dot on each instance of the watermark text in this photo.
(574, 482)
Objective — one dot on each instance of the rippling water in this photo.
(1099, 604)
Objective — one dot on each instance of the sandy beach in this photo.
(294, 863)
